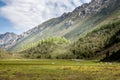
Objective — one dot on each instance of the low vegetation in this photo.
(58, 70)
(4, 54)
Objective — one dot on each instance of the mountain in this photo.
(8, 39)
(102, 43)
(73, 25)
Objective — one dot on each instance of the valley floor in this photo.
(58, 70)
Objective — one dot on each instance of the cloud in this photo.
(26, 14)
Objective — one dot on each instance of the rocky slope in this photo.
(8, 39)
(74, 24)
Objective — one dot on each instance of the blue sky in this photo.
(7, 26)
(21, 15)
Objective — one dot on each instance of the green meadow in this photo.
(45, 69)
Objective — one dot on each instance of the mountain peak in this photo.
(64, 15)
(11, 33)
(7, 39)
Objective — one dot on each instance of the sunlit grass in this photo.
(58, 70)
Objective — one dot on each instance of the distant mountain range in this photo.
(8, 39)
(72, 25)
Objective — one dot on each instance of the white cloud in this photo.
(26, 14)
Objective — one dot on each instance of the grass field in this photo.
(58, 70)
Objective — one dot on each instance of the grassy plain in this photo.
(46, 69)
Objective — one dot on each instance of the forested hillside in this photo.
(99, 43)
(46, 48)
(94, 44)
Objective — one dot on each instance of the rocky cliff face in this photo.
(92, 8)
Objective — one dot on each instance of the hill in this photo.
(47, 48)
(112, 50)
(100, 43)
